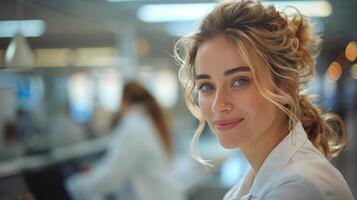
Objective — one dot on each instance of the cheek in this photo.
(205, 106)
(254, 104)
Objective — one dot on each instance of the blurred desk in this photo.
(43, 173)
(54, 156)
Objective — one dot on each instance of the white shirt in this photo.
(135, 164)
(294, 170)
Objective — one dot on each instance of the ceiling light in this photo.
(320, 8)
(28, 28)
(19, 54)
(180, 28)
(334, 71)
(127, 1)
(351, 51)
(174, 12)
(195, 11)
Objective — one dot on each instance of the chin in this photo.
(228, 144)
(226, 140)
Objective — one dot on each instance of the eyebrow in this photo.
(226, 73)
(236, 70)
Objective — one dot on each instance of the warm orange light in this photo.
(334, 71)
(354, 71)
(351, 51)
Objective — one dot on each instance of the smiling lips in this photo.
(223, 125)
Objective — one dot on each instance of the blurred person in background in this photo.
(137, 163)
(249, 64)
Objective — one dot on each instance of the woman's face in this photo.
(228, 97)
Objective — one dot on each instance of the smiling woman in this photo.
(248, 63)
(229, 99)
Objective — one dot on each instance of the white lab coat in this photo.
(135, 165)
(294, 170)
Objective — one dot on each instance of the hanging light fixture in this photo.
(19, 53)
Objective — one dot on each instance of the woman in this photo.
(248, 64)
(137, 162)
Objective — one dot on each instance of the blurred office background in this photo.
(63, 64)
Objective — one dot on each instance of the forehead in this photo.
(217, 55)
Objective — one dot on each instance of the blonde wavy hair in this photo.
(285, 46)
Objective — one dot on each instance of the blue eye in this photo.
(240, 82)
(205, 87)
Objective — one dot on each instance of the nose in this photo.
(222, 102)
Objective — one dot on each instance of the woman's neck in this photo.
(257, 151)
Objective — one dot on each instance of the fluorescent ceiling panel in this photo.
(195, 11)
(180, 28)
(173, 12)
(28, 28)
(122, 0)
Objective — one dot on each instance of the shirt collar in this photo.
(273, 164)
(279, 157)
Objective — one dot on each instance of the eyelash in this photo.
(245, 79)
(200, 86)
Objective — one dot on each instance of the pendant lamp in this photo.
(19, 54)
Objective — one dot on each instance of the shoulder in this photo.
(309, 179)
(134, 128)
(294, 188)
(135, 120)
(135, 114)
